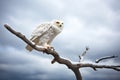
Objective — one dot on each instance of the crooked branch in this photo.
(103, 58)
(94, 66)
(47, 51)
(57, 58)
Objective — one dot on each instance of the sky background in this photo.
(92, 23)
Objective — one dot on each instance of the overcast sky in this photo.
(92, 23)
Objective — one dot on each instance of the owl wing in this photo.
(37, 33)
(40, 31)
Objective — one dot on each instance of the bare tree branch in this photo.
(103, 58)
(57, 58)
(114, 67)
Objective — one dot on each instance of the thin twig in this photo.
(114, 67)
(83, 54)
(103, 58)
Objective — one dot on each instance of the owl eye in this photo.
(58, 22)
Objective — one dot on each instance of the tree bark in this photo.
(77, 74)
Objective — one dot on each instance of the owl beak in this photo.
(60, 25)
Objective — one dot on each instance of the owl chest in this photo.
(49, 35)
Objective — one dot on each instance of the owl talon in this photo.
(49, 47)
(46, 46)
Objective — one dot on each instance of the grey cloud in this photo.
(94, 13)
(99, 74)
(114, 4)
(16, 64)
(87, 23)
(8, 39)
(35, 10)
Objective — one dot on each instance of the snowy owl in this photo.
(44, 34)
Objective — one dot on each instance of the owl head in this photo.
(58, 23)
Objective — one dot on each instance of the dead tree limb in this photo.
(94, 66)
(74, 67)
(103, 58)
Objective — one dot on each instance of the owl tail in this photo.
(34, 39)
(29, 48)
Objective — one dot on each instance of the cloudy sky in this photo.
(92, 23)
